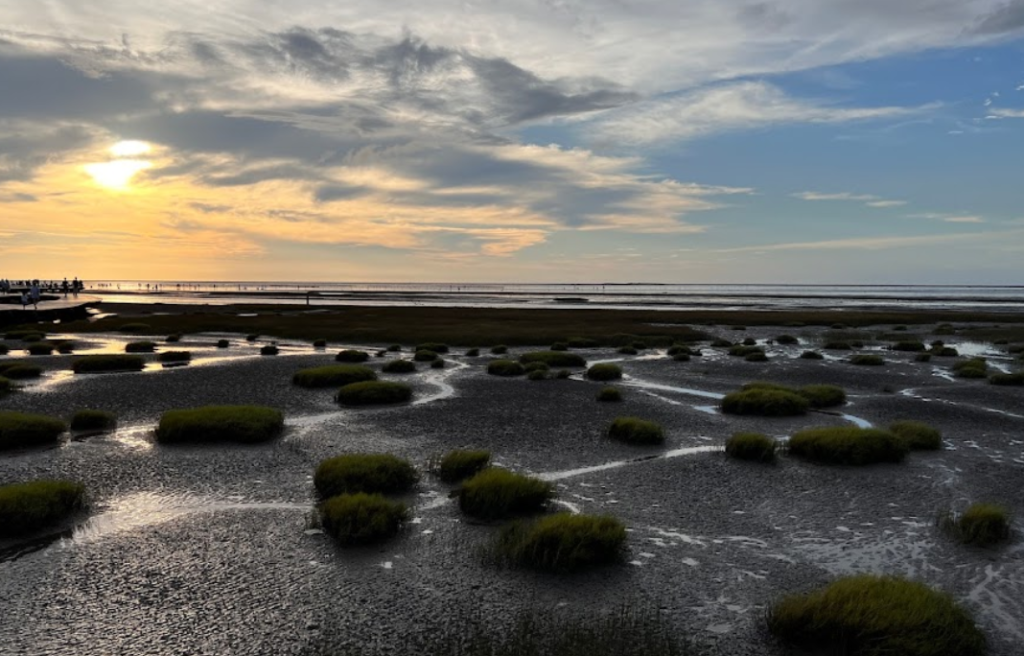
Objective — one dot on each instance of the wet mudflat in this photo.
(212, 550)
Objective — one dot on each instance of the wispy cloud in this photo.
(997, 114)
(948, 218)
(870, 243)
(868, 199)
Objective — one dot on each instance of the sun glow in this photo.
(130, 148)
(116, 174)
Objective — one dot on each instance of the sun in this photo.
(117, 173)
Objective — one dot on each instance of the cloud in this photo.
(948, 218)
(997, 114)
(868, 199)
(723, 108)
(872, 243)
(1007, 18)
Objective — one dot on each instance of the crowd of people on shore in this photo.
(31, 291)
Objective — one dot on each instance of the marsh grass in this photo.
(93, 364)
(4, 349)
(848, 445)
(866, 360)
(246, 424)
(436, 347)
(21, 429)
(223, 343)
(336, 375)
(29, 507)
(399, 366)
(554, 358)
(437, 364)
(425, 356)
(609, 395)
(1016, 378)
(604, 371)
(742, 351)
(811, 355)
(461, 464)
(536, 366)
(496, 493)
(786, 340)
(751, 446)
(981, 525)
(473, 353)
(760, 356)
(175, 357)
(372, 473)
(319, 343)
(537, 375)
(6, 387)
(909, 346)
(352, 355)
(93, 420)
(633, 430)
(362, 519)
(627, 350)
(373, 392)
(40, 348)
(563, 374)
(721, 343)
(945, 352)
(765, 400)
(20, 371)
(561, 542)
(269, 349)
(836, 345)
(395, 348)
(870, 615)
(559, 346)
(144, 346)
(173, 339)
(917, 434)
(505, 368)
(972, 368)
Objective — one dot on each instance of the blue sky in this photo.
(548, 140)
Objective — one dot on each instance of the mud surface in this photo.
(213, 550)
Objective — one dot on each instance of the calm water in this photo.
(636, 296)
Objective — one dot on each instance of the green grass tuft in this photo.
(870, 615)
(6, 387)
(500, 349)
(627, 350)
(173, 339)
(19, 429)
(399, 366)
(917, 434)
(751, 446)
(223, 343)
(224, 423)
(1007, 379)
(767, 401)
(583, 342)
(742, 351)
(559, 346)
(352, 355)
(554, 358)
(320, 343)
(537, 366)
(505, 368)
(93, 364)
(422, 355)
(946, 352)
(865, 360)
(609, 395)
(372, 473)
(604, 371)
(93, 420)
(721, 343)
(633, 430)
(786, 340)
(360, 519)
(537, 374)
(395, 348)
(909, 346)
(460, 464)
(40, 348)
(20, 371)
(29, 507)
(496, 493)
(759, 356)
(981, 525)
(973, 368)
(436, 347)
(562, 542)
(373, 392)
(171, 357)
(473, 353)
(335, 375)
(144, 346)
(269, 349)
(836, 345)
(848, 445)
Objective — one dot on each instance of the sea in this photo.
(637, 296)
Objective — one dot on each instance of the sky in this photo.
(675, 141)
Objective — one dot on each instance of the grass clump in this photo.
(973, 368)
(786, 340)
(758, 356)
(252, 337)
(536, 366)
(604, 371)
(627, 350)
(359, 519)
(352, 355)
(372, 473)
(609, 395)
(505, 368)
(373, 392)
(562, 542)
(20, 429)
(909, 346)
(582, 342)
(135, 328)
(437, 364)
(751, 446)
(848, 445)
(94, 364)
(811, 355)
(634, 430)
(836, 345)
(40, 348)
(981, 525)
(173, 339)
(500, 349)
(425, 356)
(269, 349)
(473, 353)
(399, 366)
(172, 357)
(4, 349)
(559, 346)
(333, 376)
(460, 464)
(1007, 379)
(29, 507)
(395, 348)
(765, 401)
(140, 347)
(19, 371)
(537, 374)
(320, 343)
(946, 352)
(246, 424)
(818, 396)
(721, 343)
(496, 493)
(923, 357)
(742, 351)
(5, 387)
(436, 347)
(749, 341)
(865, 360)
(554, 358)
(223, 343)
(870, 615)
(917, 434)
(93, 420)
(563, 374)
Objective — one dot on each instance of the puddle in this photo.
(439, 378)
(645, 385)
